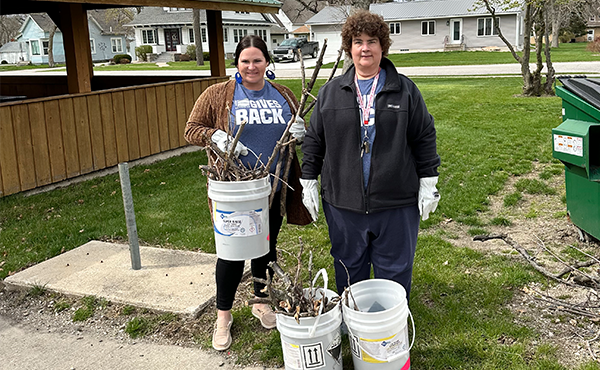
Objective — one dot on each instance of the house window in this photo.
(262, 34)
(427, 28)
(35, 47)
(191, 32)
(238, 34)
(117, 45)
(203, 32)
(485, 26)
(225, 34)
(45, 46)
(148, 36)
(93, 46)
(395, 28)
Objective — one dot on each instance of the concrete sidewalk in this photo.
(181, 282)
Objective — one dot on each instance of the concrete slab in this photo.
(181, 282)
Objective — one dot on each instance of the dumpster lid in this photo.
(587, 89)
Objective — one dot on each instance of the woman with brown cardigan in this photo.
(266, 107)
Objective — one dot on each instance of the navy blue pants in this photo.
(385, 240)
(229, 273)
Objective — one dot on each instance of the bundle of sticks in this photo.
(224, 166)
(288, 295)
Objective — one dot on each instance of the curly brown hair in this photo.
(363, 21)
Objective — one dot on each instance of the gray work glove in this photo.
(310, 197)
(428, 196)
(224, 142)
(298, 130)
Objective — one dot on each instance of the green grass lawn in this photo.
(575, 52)
(485, 134)
(150, 66)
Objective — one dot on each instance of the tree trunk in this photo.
(547, 88)
(198, 38)
(51, 47)
(555, 13)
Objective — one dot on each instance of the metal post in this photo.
(134, 247)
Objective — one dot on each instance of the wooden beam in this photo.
(73, 24)
(14, 7)
(214, 25)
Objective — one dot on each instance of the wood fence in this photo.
(47, 140)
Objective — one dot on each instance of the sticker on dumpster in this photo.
(568, 144)
(239, 223)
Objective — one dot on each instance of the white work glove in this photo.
(224, 142)
(428, 196)
(298, 130)
(310, 197)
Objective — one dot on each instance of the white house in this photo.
(13, 52)
(428, 25)
(171, 30)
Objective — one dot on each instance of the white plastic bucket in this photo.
(378, 332)
(240, 214)
(315, 342)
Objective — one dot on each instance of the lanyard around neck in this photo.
(365, 105)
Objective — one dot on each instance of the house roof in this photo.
(302, 29)
(42, 20)
(101, 18)
(330, 15)
(107, 21)
(432, 9)
(155, 16)
(12, 47)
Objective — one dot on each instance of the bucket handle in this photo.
(395, 357)
(311, 332)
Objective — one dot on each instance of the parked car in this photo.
(288, 49)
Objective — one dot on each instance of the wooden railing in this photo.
(47, 140)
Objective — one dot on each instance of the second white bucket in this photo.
(240, 215)
(378, 331)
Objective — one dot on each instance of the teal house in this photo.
(107, 38)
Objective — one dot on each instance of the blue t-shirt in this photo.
(365, 89)
(267, 114)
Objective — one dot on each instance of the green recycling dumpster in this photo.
(577, 145)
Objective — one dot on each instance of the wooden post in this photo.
(78, 54)
(214, 23)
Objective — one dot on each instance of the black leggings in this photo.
(229, 273)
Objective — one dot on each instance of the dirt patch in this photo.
(539, 224)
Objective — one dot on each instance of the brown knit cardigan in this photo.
(210, 114)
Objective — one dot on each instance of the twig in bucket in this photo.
(291, 299)
(347, 290)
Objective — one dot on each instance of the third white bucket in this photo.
(378, 331)
(240, 214)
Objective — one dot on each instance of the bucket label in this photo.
(291, 355)
(312, 355)
(379, 350)
(335, 349)
(238, 223)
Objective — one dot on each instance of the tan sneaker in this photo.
(221, 339)
(266, 316)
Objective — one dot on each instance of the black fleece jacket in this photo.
(404, 149)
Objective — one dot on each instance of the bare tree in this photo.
(198, 38)
(9, 27)
(559, 8)
(535, 20)
(51, 46)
